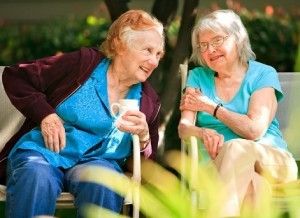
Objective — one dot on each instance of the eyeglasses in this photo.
(215, 43)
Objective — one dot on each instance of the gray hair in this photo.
(128, 35)
(223, 21)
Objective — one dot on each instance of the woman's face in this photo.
(219, 50)
(142, 55)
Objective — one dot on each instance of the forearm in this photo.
(186, 127)
(192, 131)
(242, 124)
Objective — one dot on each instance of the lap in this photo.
(74, 172)
(276, 162)
(266, 154)
(33, 161)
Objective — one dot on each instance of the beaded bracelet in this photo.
(216, 109)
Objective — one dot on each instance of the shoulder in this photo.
(201, 71)
(262, 75)
(89, 58)
(199, 77)
(92, 52)
(260, 68)
(198, 74)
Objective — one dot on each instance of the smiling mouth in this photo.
(145, 69)
(215, 58)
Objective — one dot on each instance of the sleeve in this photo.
(150, 106)
(200, 78)
(151, 150)
(269, 78)
(192, 79)
(28, 83)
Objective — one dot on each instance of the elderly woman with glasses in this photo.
(233, 100)
(69, 126)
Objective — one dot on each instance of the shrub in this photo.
(31, 41)
(274, 39)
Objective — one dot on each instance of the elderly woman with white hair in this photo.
(234, 99)
(66, 100)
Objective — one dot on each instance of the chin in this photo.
(143, 78)
(138, 80)
(216, 66)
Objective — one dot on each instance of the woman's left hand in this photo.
(213, 141)
(194, 100)
(134, 122)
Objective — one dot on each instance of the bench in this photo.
(288, 112)
(11, 120)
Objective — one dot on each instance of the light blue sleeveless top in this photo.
(90, 128)
(257, 77)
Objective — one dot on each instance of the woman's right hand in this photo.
(213, 141)
(53, 132)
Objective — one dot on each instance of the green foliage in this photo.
(197, 195)
(273, 39)
(297, 64)
(31, 41)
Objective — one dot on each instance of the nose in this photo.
(154, 60)
(211, 48)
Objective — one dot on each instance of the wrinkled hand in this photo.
(53, 132)
(194, 100)
(213, 141)
(134, 121)
(186, 129)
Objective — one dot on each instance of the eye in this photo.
(203, 44)
(217, 41)
(159, 54)
(147, 51)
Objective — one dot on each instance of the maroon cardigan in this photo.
(35, 88)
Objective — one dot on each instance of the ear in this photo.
(123, 50)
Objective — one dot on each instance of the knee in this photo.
(37, 175)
